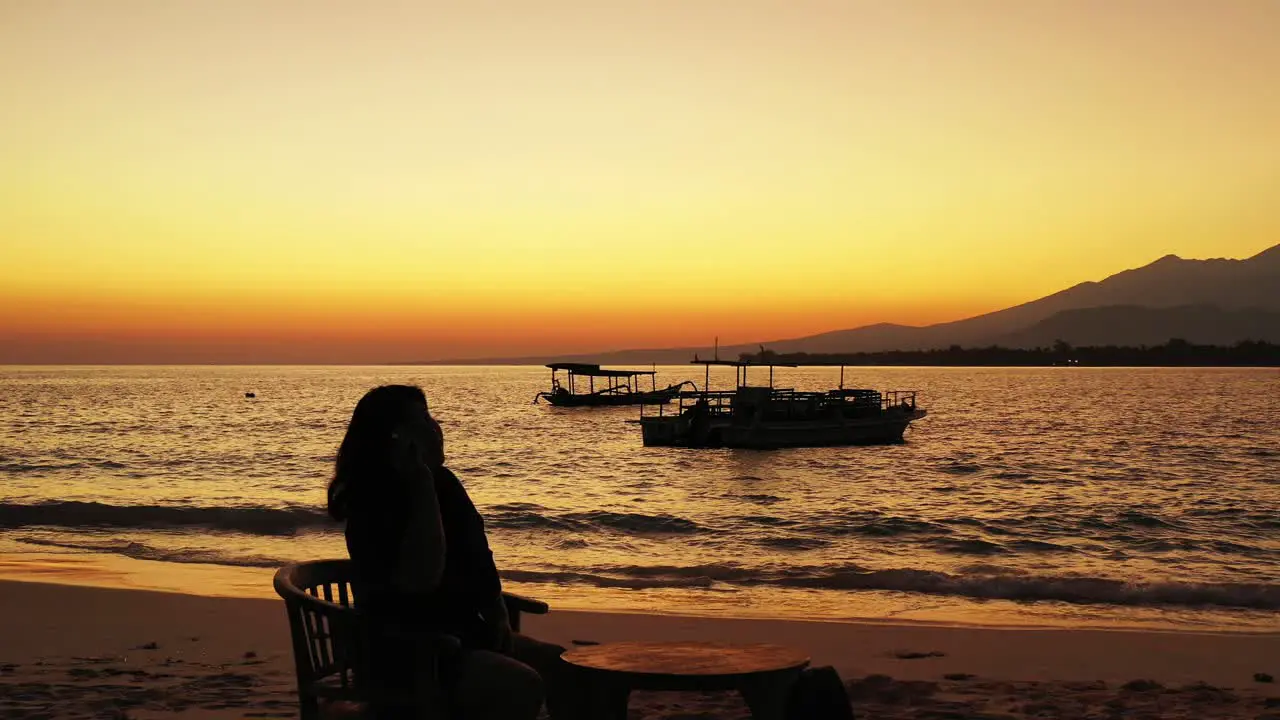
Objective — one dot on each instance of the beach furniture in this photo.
(763, 674)
(330, 639)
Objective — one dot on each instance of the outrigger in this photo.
(622, 387)
(766, 417)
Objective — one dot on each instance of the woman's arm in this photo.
(499, 622)
(420, 562)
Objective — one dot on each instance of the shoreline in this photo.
(116, 572)
(219, 657)
(683, 615)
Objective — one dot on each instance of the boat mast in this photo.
(706, 382)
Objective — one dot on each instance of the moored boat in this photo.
(621, 387)
(769, 417)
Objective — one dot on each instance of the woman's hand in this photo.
(420, 564)
(410, 465)
(405, 455)
(418, 441)
(499, 624)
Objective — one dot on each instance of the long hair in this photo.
(364, 457)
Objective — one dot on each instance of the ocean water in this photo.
(1132, 497)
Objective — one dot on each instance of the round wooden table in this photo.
(763, 674)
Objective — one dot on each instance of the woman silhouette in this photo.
(423, 567)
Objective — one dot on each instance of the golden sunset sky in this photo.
(271, 180)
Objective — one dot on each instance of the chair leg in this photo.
(605, 701)
(308, 707)
(766, 697)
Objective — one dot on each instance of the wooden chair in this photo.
(331, 639)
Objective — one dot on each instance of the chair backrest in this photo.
(329, 645)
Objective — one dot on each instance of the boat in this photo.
(622, 387)
(767, 417)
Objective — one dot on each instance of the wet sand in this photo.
(80, 652)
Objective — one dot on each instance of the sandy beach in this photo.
(80, 652)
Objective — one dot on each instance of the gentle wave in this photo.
(983, 586)
(793, 543)
(293, 519)
(524, 517)
(21, 468)
(815, 531)
(142, 551)
(77, 515)
(982, 582)
(762, 498)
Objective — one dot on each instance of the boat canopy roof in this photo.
(596, 371)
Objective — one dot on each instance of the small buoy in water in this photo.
(250, 395)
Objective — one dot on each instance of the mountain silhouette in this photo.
(1131, 325)
(1217, 301)
(1166, 283)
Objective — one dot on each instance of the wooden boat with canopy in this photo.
(620, 387)
(766, 417)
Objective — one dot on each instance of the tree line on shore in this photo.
(1174, 353)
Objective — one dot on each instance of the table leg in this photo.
(767, 697)
(606, 701)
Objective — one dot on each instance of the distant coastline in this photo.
(1175, 353)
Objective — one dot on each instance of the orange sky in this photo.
(243, 181)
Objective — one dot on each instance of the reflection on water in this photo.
(1027, 495)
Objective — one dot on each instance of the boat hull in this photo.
(658, 397)
(685, 431)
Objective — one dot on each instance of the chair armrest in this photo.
(519, 604)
